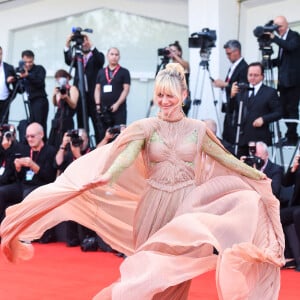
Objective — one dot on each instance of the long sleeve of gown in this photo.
(125, 159)
(225, 158)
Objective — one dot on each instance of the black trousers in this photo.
(4, 111)
(289, 99)
(38, 110)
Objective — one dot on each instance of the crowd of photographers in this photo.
(249, 103)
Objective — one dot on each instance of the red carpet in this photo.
(61, 273)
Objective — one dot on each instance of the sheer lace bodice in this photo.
(171, 150)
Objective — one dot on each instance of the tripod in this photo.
(164, 61)
(267, 51)
(78, 59)
(204, 66)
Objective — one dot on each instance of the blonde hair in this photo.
(170, 80)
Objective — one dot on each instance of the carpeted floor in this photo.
(61, 273)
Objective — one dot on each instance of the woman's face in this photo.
(168, 103)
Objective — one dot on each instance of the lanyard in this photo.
(109, 80)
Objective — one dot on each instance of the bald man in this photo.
(288, 64)
(34, 168)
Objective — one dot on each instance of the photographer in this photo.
(259, 158)
(93, 61)
(65, 97)
(288, 64)
(33, 166)
(75, 143)
(10, 149)
(175, 53)
(34, 83)
(260, 106)
(7, 75)
(111, 134)
(112, 88)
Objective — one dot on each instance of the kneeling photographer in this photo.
(75, 143)
(258, 158)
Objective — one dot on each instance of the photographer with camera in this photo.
(65, 97)
(236, 73)
(7, 75)
(288, 64)
(254, 107)
(112, 88)
(259, 158)
(175, 54)
(93, 61)
(33, 77)
(10, 149)
(75, 143)
(33, 166)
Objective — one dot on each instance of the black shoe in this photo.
(47, 238)
(297, 269)
(73, 243)
(290, 265)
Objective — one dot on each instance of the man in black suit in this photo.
(236, 73)
(254, 110)
(7, 74)
(93, 61)
(288, 64)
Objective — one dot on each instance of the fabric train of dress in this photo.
(166, 214)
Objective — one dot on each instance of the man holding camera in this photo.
(7, 74)
(10, 149)
(288, 64)
(93, 61)
(33, 166)
(112, 88)
(254, 107)
(236, 73)
(75, 143)
(34, 84)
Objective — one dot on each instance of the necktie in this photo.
(227, 78)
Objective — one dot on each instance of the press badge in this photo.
(107, 88)
(2, 169)
(29, 175)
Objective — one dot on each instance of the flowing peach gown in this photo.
(167, 212)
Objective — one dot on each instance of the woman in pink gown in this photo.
(169, 193)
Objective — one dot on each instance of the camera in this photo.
(263, 38)
(77, 37)
(20, 69)
(106, 116)
(62, 85)
(76, 140)
(7, 131)
(205, 39)
(115, 129)
(243, 86)
(253, 160)
(163, 52)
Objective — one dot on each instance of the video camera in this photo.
(7, 131)
(205, 39)
(76, 140)
(77, 37)
(62, 85)
(261, 32)
(20, 68)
